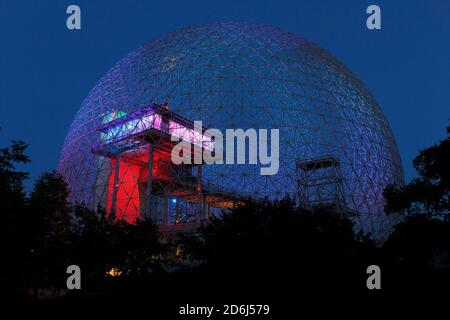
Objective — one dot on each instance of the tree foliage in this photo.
(429, 193)
(12, 205)
(48, 221)
(102, 243)
(274, 234)
(43, 233)
(423, 237)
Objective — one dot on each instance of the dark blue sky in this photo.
(46, 70)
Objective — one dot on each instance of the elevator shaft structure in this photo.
(143, 180)
(320, 181)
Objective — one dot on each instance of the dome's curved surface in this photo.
(238, 75)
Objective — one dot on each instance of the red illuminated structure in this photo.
(142, 179)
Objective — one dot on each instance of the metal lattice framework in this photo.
(238, 75)
(320, 181)
(140, 178)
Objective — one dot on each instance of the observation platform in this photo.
(140, 146)
(152, 124)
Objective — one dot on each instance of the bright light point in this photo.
(113, 272)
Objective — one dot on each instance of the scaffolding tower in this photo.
(320, 182)
(138, 177)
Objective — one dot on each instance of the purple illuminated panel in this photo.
(131, 125)
(190, 135)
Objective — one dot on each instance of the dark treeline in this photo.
(260, 248)
(44, 234)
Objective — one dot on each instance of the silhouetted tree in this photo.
(270, 241)
(91, 241)
(44, 233)
(429, 193)
(101, 243)
(49, 215)
(423, 237)
(419, 241)
(143, 248)
(12, 206)
(11, 180)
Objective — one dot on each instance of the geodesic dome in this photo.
(239, 75)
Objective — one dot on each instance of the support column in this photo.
(177, 212)
(199, 193)
(208, 205)
(148, 193)
(115, 186)
(204, 206)
(166, 205)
